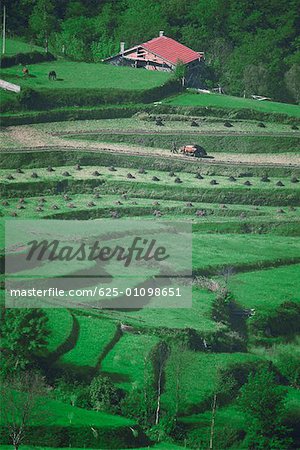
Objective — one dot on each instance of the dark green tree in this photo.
(292, 81)
(262, 400)
(103, 394)
(22, 404)
(24, 334)
(43, 21)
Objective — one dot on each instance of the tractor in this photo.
(193, 150)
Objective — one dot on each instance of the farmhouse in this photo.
(163, 54)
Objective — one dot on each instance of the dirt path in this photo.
(27, 138)
(141, 132)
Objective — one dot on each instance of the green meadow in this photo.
(226, 101)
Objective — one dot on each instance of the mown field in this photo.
(245, 222)
(226, 101)
(80, 75)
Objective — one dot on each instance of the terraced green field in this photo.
(93, 337)
(126, 368)
(60, 323)
(264, 289)
(226, 101)
(245, 222)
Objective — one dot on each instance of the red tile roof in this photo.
(171, 50)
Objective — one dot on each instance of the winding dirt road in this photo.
(27, 138)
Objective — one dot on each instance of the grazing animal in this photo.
(52, 75)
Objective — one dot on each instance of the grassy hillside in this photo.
(227, 101)
(245, 223)
(14, 46)
(84, 76)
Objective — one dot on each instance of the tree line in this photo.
(251, 47)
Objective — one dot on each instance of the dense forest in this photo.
(250, 47)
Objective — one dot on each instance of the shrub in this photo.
(25, 58)
(28, 98)
(103, 394)
(288, 364)
(284, 321)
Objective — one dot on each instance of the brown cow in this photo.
(25, 71)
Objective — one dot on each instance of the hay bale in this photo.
(265, 179)
(189, 204)
(96, 173)
(294, 127)
(130, 176)
(21, 207)
(55, 207)
(42, 200)
(67, 197)
(112, 169)
(228, 124)
(194, 123)
(213, 182)
(50, 169)
(294, 180)
(97, 195)
(5, 203)
(199, 176)
(10, 177)
(118, 202)
(247, 183)
(231, 178)
(279, 183)
(19, 170)
(34, 175)
(142, 170)
(155, 203)
(71, 205)
(91, 204)
(22, 200)
(78, 167)
(172, 174)
(200, 213)
(66, 174)
(39, 209)
(261, 125)
(155, 179)
(177, 180)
